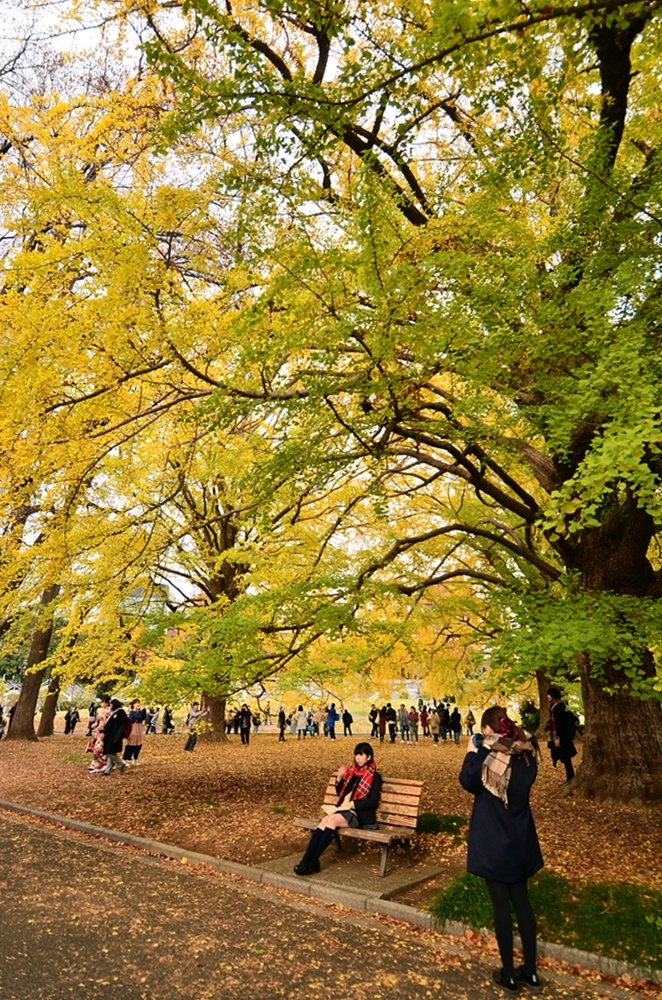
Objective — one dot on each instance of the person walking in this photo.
(113, 736)
(503, 844)
(425, 721)
(444, 720)
(168, 726)
(302, 723)
(282, 723)
(456, 724)
(373, 719)
(347, 721)
(391, 721)
(358, 788)
(434, 727)
(331, 719)
(403, 722)
(134, 743)
(470, 720)
(98, 758)
(245, 717)
(91, 718)
(381, 723)
(560, 729)
(413, 720)
(193, 720)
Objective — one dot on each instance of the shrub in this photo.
(434, 823)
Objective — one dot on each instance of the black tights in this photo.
(502, 895)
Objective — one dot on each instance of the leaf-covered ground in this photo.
(239, 803)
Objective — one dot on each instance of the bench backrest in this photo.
(399, 802)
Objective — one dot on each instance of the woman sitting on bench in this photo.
(358, 788)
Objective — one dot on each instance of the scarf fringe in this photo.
(496, 770)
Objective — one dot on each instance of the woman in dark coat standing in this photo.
(503, 843)
(560, 742)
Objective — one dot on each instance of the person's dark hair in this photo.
(554, 693)
(300, 708)
(195, 703)
(364, 748)
(105, 699)
(115, 703)
(497, 719)
(135, 701)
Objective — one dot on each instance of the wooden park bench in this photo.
(397, 815)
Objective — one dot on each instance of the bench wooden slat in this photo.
(401, 785)
(382, 836)
(392, 801)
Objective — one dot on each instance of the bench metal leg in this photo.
(336, 837)
(410, 861)
(382, 867)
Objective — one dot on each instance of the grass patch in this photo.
(621, 921)
(434, 823)
(279, 809)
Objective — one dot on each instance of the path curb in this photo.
(362, 902)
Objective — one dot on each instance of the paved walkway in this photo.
(84, 919)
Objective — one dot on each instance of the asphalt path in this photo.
(82, 918)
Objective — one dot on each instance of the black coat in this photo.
(567, 749)
(503, 843)
(113, 731)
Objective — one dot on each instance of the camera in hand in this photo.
(477, 740)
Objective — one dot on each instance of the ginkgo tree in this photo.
(460, 208)
(438, 232)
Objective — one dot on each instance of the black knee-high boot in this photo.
(306, 865)
(318, 843)
(327, 836)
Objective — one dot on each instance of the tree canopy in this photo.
(414, 247)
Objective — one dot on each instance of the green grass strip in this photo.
(619, 921)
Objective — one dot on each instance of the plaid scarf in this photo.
(496, 766)
(358, 782)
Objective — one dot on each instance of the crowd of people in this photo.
(435, 720)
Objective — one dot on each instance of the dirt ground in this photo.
(239, 803)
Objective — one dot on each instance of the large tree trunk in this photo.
(216, 708)
(622, 756)
(46, 723)
(622, 741)
(22, 726)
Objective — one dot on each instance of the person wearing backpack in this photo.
(115, 732)
(560, 733)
